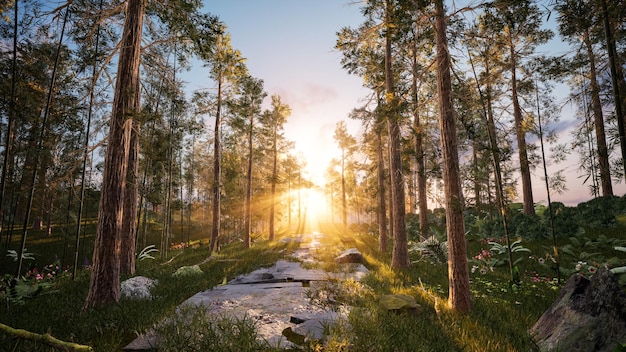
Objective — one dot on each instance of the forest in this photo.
(112, 169)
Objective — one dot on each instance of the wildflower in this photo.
(580, 265)
(483, 271)
(474, 267)
(541, 260)
(592, 269)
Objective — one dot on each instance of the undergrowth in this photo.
(499, 320)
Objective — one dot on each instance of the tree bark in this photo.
(104, 286)
(420, 164)
(400, 255)
(598, 119)
(617, 80)
(274, 179)
(217, 174)
(458, 273)
(527, 189)
(248, 200)
(344, 205)
(129, 226)
(382, 209)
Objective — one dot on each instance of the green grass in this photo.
(499, 320)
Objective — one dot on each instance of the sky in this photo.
(289, 44)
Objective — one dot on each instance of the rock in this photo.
(351, 255)
(588, 315)
(137, 287)
(187, 271)
(293, 337)
(400, 303)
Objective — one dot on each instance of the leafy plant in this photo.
(502, 249)
(19, 290)
(432, 248)
(25, 255)
(146, 253)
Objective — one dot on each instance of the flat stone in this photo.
(275, 298)
(282, 271)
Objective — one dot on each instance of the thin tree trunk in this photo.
(217, 174)
(495, 155)
(420, 162)
(344, 205)
(603, 153)
(617, 80)
(129, 226)
(86, 151)
(400, 255)
(476, 170)
(382, 209)
(104, 286)
(458, 273)
(6, 166)
(247, 205)
(527, 190)
(38, 151)
(555, 248)
(273, 186)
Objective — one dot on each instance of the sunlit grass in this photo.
(499, 320)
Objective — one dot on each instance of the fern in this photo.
(146, 253)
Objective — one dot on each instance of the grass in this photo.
(499, 320)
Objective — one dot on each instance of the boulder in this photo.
(351, 255)
(137, 287)
(588, 315)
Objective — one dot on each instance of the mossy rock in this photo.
(188, 271)
(400, 303)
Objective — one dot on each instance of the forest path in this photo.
(276, 298)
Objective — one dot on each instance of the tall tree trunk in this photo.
(527, 189)
(420, 162)
(400, 255)
(10, 135)
(344, 205)
(217, 172)
(248, 200)
(617, 80)
(476, 171)
(382, 209)
(81, 205)
(131, 191)
(493, 142)
(458, 273)
(603, 153)
(39, 149)
(104, 286)
(273, 186)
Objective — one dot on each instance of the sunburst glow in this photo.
(312, 209)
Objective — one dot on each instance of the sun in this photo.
(312, 209)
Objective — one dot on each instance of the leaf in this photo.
(618, 270)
